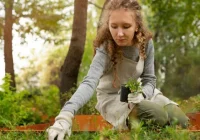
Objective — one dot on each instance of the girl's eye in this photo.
(114, 27)
(126, 27)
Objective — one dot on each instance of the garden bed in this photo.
(80, 123)
(93, 123)
(194, 121)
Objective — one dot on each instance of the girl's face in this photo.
(122, 26)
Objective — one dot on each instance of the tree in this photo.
(177, 43)
(70, 68)
(9, 68)
(106, 1)
(43, 23)
(38, 74)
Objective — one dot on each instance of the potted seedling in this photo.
(132, 86)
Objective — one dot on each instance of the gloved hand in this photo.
(135, 97)
(62, 126)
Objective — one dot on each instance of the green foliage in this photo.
(27, 107)
(23, 136)
(191, 105)
(140, 133)
(133, 85)
(29, 17)
(177, 45)
(109, 134)
(42, 72)
(12, 111)
(84, 136)
(168, 133)
(197, 102)
(49, 68)
(46, 102)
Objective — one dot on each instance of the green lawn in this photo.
(139, 133)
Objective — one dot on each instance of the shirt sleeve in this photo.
(148, 77)
(88, 85)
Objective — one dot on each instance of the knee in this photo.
(150, 111)
(176, 115)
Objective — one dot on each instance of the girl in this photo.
(124, 49)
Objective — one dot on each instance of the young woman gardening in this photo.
(124, 50)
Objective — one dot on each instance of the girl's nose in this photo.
(120, 32)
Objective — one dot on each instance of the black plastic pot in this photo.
(124, 93)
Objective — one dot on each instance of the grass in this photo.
(22, 136)
(168, 133)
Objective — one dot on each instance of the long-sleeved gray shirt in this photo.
(97, 68)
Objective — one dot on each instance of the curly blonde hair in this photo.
(140, 39)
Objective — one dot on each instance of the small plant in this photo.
(133, 85)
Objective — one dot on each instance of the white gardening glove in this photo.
(61, 127)
(135, 97)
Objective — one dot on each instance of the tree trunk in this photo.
(70, 69)
(100, 17)
(9, 66)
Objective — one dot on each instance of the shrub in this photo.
(12, 112)
(27, 106)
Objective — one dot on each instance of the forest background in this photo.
(42, 30)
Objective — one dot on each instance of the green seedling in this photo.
(133, 85)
